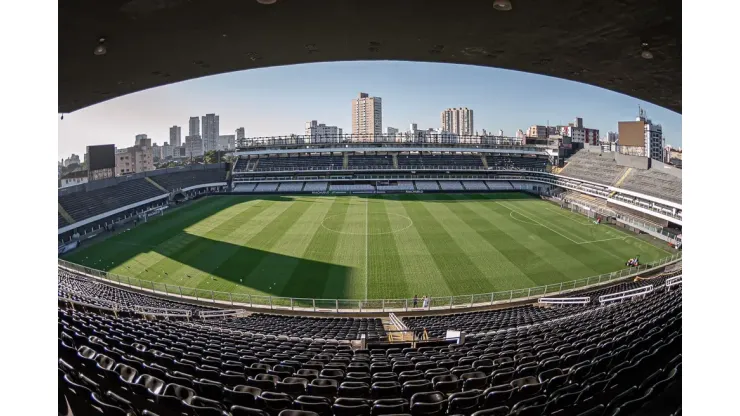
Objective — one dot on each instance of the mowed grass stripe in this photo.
(265, 268)
(194, 262)
(529, 266)
(613, 253)
(462, 276)
(468, 234)
(316, 276)
(629, 247)
(350, 247)
(554, 249)
(418, 269)
(384, 266)
(176, 258)
(114, 251)
(288, 252)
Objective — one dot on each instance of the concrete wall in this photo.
(638, 162)
(667, 169)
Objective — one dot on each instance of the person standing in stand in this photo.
(416, 300)
(425, 302)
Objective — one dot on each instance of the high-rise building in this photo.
(321, 133)
(240, 136)
(210, 132)
(167, 151)
(194, 126)
(135, 159)
(227, 142)
(458, 121)
(654, 140)
(367, 116)
(175, 135)
(193, 146)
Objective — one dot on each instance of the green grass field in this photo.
(354, 247)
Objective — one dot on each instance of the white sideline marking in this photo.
(572, 219)
(540, 224)
(562, 235)
(367, 274)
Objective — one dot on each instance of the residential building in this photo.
(135, 159)
(167, 151)
(537, 131)
(194, 126)
(391, 131)
(500, 133)
(654, 140)
(612, 137)
(73, 178)
(193, 146)
(240, 136)
(321, 133)
(210, 124)
(176, 135)
(157, 152)
(227, 142)
(73, 159)
(458, 121)
(367, 116)
(520, 134)
(578, 133)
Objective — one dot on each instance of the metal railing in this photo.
(439, 303)
(627, 294)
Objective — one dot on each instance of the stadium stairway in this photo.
(622, 179)
(345, 161)
(160, 187)
(484, 160)
(395, 161)
(65, 215)
(254, 167)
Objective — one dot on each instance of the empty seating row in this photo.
(451, 185)
(427, 185)
(655, 183)
(611, 361)
(594, 167)
(399, 186)
(316, 186)
(359, 187)
(83, 205)
(82, 289)
(503, 162)
(368, 161)
(290, 187)
(292, 163)
(186, 179)
(474, 185)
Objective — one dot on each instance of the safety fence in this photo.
(439, 303)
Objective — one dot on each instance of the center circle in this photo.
(366, 223)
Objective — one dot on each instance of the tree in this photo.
(211, 156)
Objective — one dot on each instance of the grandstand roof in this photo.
(598, 43)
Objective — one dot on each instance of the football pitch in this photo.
(367, 247)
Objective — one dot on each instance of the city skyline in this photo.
(278, 101)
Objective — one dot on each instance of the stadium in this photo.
(457, 263)
(342, 275)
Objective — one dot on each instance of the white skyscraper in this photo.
(194, 126)
(210, 132)
(458, 121)
(175, 136)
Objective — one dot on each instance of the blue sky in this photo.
(279, 100)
